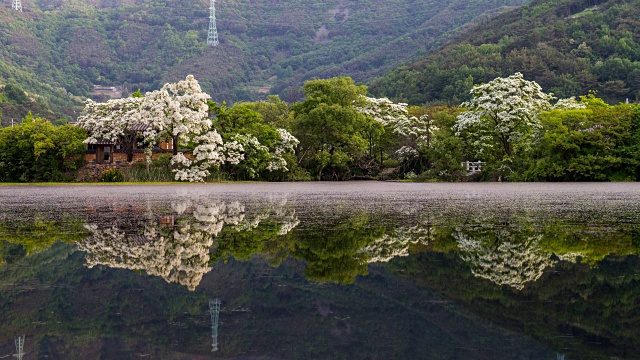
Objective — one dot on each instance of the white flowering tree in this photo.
(208, 153)
(415, 132)
(177, 111)
(502, 115)
(114, 122)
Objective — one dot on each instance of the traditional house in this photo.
(127, 149)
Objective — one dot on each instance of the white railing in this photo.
(473, 167)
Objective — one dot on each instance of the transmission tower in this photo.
(214, 309)
(16, 5)
(19, 342)
(212, 36)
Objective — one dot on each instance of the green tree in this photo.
(330, 129)
(596, 143)
(15, 94)
(35, 150)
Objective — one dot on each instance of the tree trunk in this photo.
(175, 144)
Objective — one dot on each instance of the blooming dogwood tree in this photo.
(178, 111)
(415, 132)
(113, 122)
(502, 114)
(209, 152)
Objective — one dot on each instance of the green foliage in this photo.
(244, 120)
(331, 131)
(15, 94)
(561, 45)
(448, 150)
(112, 175)
(592, 144)
(60, 50)
(38, 151)
(158, 170)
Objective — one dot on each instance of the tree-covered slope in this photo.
(60, 49)
(568, 46)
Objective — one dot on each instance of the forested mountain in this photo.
(569, 47)
(60, 49)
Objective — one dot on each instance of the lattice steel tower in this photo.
(17, 5)
(19, 347)
(212, 37)
(214, 309)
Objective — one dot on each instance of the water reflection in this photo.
(512, 263)
(176, 246)
(179, 243)
(153, 268)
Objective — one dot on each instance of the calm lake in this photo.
(357, 270)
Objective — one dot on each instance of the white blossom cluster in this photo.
(569, 104)
(181, 256)
(418, 128)
(395, 117)
(234, 152)
(287, 144)
(249, 147)
(397, 243)
(406, 153)
(180, 111)
(506, 108)
(181, 253)
(209, 152)
(176, 110)
(384, 110)
(510, 263)
(110, 121)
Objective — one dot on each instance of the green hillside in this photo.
(568, 46)
(57, 50)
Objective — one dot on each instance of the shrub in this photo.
(112, 175)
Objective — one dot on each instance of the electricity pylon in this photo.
(16, 5)
(214, 309)
(212, 36)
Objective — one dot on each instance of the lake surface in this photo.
(357, 270)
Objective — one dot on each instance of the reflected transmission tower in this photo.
(212, 36)
(19, 344)
(16, 5)
(214, 309)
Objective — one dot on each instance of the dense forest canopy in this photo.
(569, 47)
(58, 50)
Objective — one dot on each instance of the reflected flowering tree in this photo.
(179, 256)
(398, 241)
(178, 252)
(505, 260)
